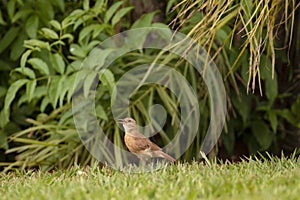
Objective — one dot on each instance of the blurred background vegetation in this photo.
(43, 43)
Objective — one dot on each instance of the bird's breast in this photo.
(130, 142)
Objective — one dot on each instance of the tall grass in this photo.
(235, 32)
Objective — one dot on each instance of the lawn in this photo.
(250, 179)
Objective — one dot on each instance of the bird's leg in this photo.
(143, 161)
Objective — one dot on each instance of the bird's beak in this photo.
(121, 121)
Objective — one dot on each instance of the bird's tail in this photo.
(167, 156)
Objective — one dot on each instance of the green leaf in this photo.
(17, 47)
(77, 81)
(92, 44)
(167, 101)
(98, 30)
(169, 5)
(10, 96)
(8, 38)
(61, 89)
(65, 89)
(288, 115)
(89, 29)
(242, 105)
(161, 25)
(48, 33)
(121, 13)
(11, 8)
(24, 57)
(165, 32)
(77, 23)
(39, 65)
(273, 120)
(99, 6)
(221, 36)
(45, 9)
(107, 78)
(39, 92)
(3, 140)
(67, 36)
(60, 4)
(57, 63)
(296, 106)
(55, 25)
(70, 84)
(71, 18)
(252, 143)
(65, 116)
(2, 22)
(58, 42)
(30, 88)
(271, 88)
(96, 58)
(55, 89)
(247, 8)
(144, 21)
(100, 112)
(112, 9)
(33, 43)
(31, 141)
(228, 138)
(3, 91)
(32, 25)
(262, 134)
(86, 5)
(22, 14)
(88, 82)
(76, 50)
(3, 119)
(44, 103)
(271, 85)
(74, 66)
(26, 71)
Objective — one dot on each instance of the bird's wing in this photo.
(152, 146)
(143, 143)
(138, 142)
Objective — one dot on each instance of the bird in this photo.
(139, 144)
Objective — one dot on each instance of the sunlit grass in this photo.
(252, 179)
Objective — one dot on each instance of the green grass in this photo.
(252, 179)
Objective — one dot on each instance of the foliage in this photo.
(241, 38)
(45, 80)
(44, 48)
(19, 21)
(48, 77)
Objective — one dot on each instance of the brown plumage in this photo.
(139, 144)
